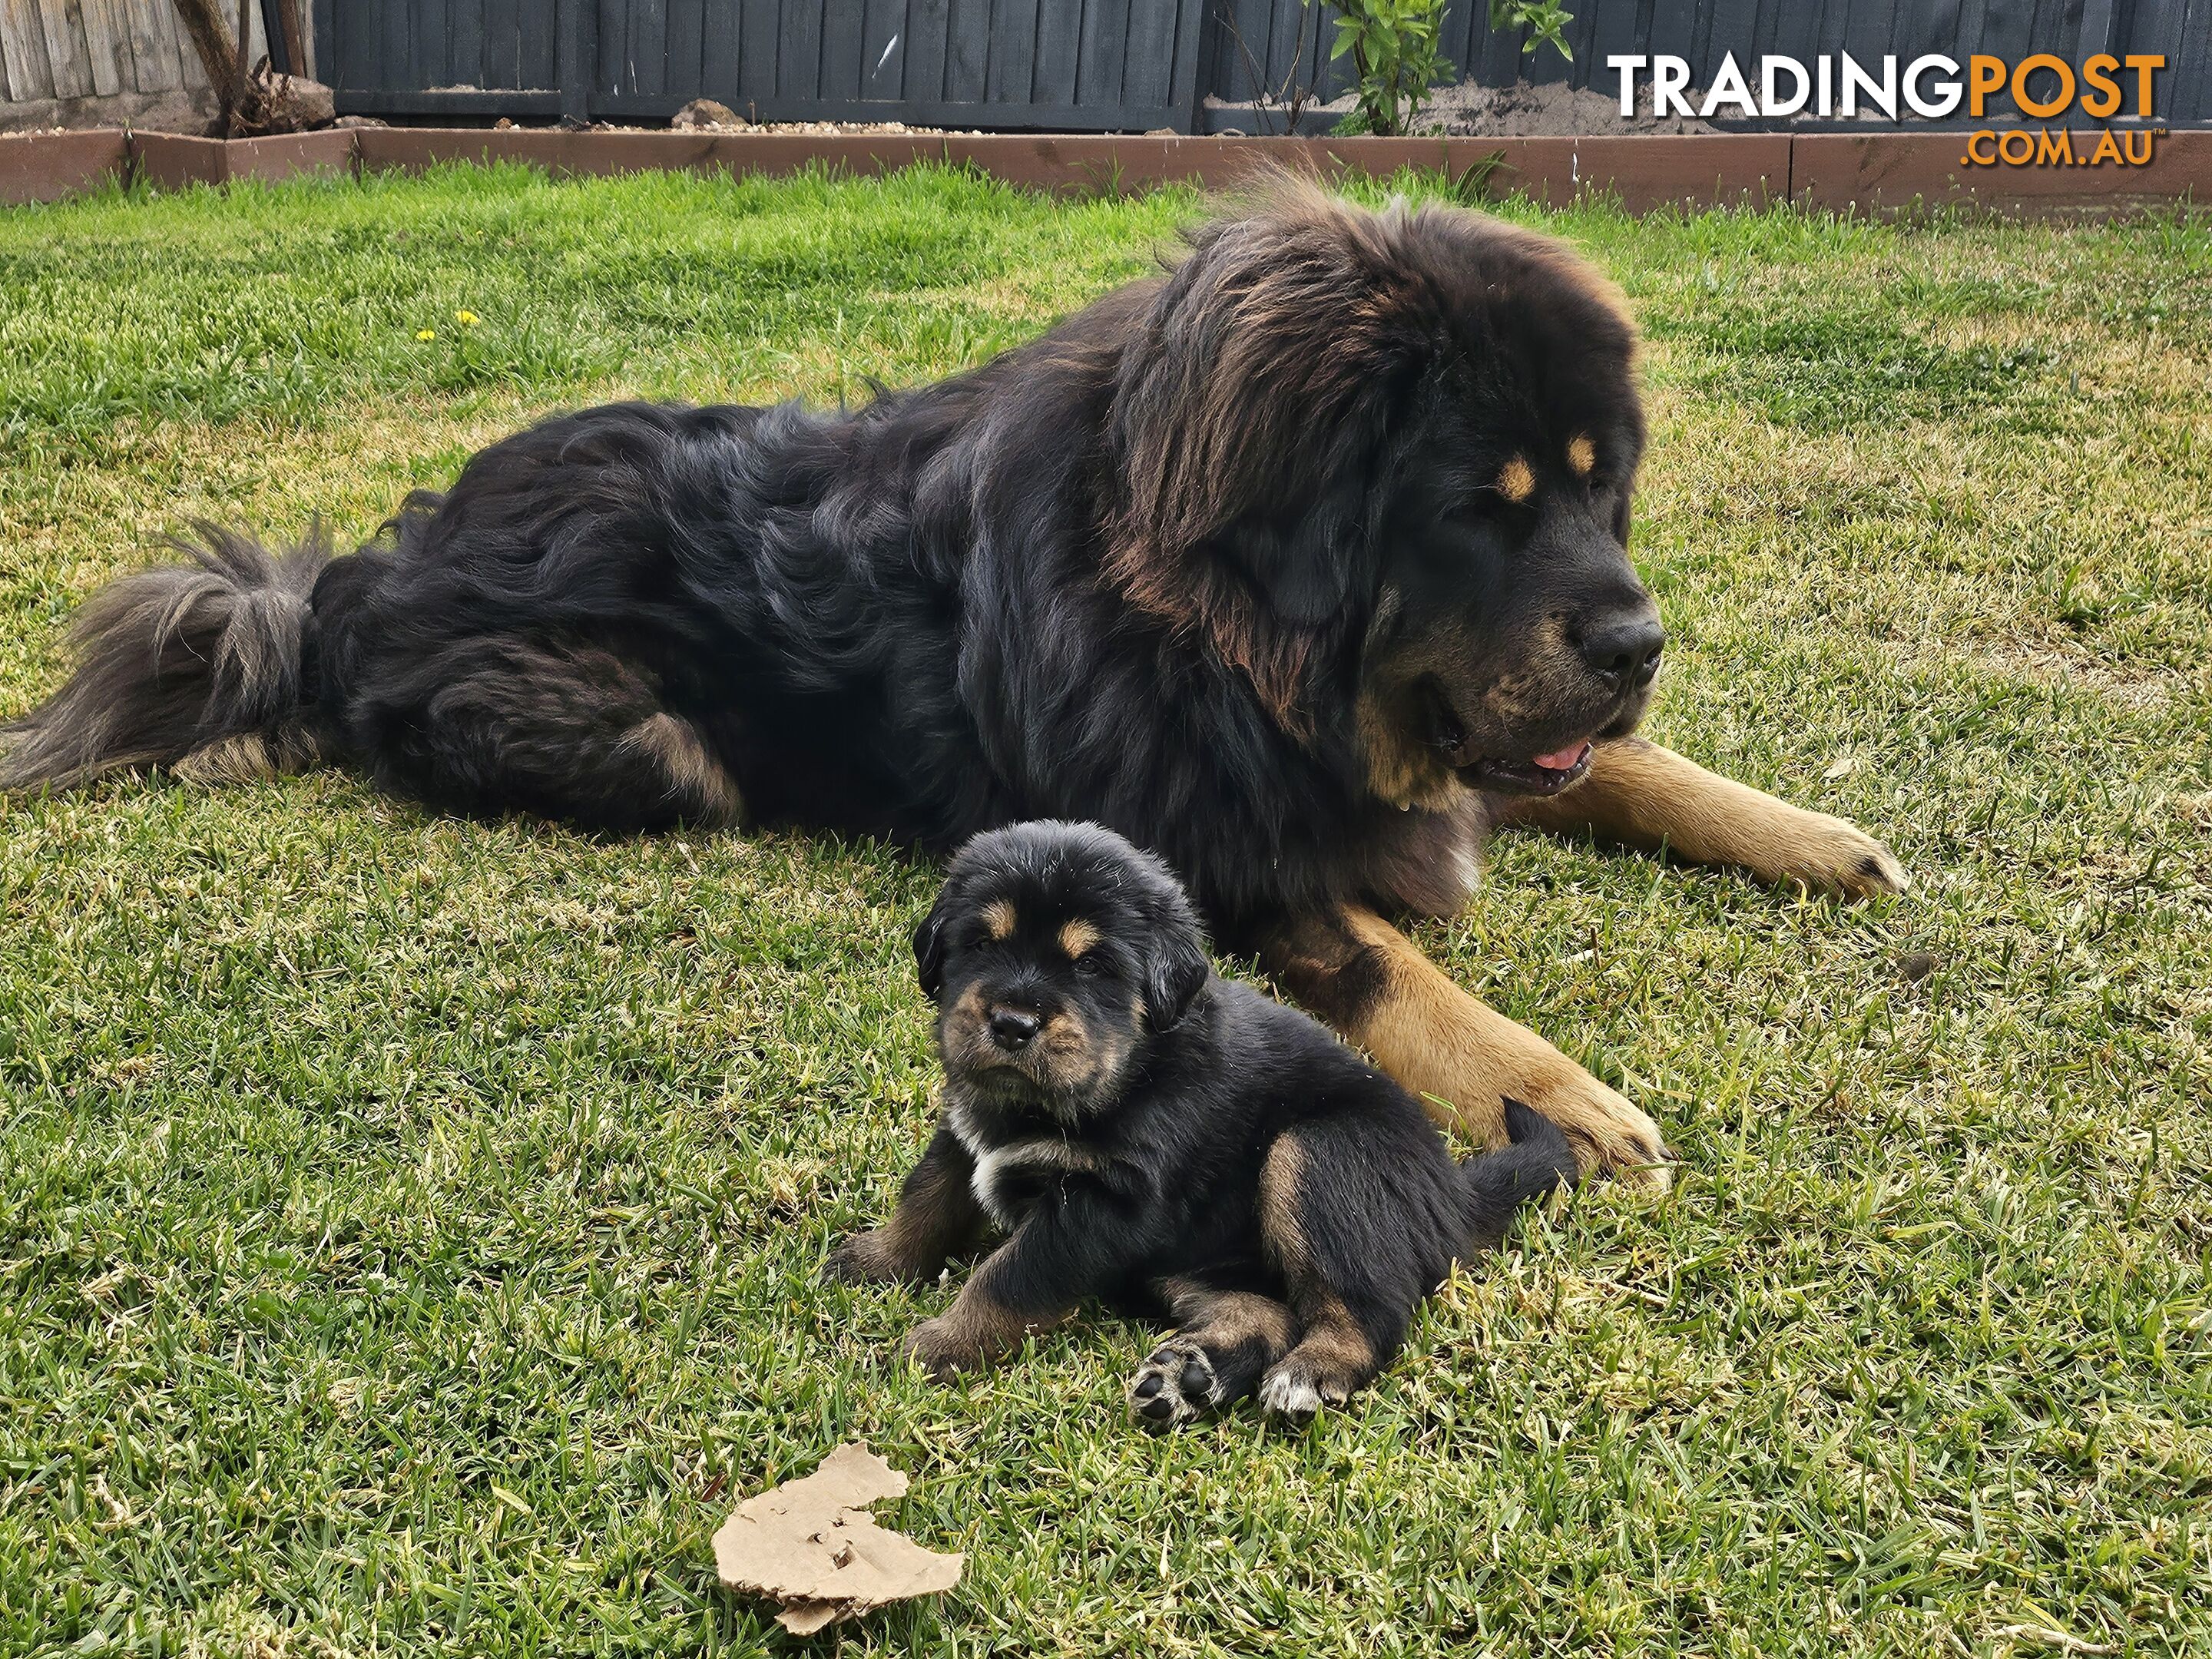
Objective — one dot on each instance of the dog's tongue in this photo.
(1563, 760)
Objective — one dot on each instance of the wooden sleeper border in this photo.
(1877, 172)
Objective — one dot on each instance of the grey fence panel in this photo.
(1127, 64)
(1013, 51)
(540, 49)
(2182, 30)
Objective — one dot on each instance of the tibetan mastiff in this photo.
(1303, 564)
(1149, 1135)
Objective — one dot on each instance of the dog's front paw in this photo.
(1829, 855)
(1610, 1133)
(867, 1258)
(1301, 1383)
(1174, 1385)
(946, 1349)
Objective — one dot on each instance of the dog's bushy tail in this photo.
(200, 668)
(1539, 1161)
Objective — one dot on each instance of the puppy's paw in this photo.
(949, 1348)
(1829, 855)
(868, 1259)
(1174, 1385)
(1300, 1384)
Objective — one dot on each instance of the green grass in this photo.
(410, 1229)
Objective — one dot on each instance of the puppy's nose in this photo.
(1622, 646)
(1012, 1028)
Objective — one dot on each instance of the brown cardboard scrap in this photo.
(811, 1545)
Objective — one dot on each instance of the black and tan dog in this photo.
(1152, 1136)
(1304, 565)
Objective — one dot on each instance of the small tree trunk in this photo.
(241, 78)
(211, 40)
(295, 41)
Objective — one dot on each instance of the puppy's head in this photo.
(1055, 953)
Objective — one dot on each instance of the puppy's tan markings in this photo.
(1333, 1357)
(1000, 919)
(936, 1214)
(1646, 797)
(1582, 454)
(1334, 1341)
(1332, 1360)
(1282, 1231)
(693, 773)
(1074, 1056)
(1226, 1339)
(977, 1330)
(1226, 1319)
(1516, 481)
(1079, 936)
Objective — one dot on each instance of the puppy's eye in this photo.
(1093, 964)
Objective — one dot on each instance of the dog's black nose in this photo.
(1012, 1028)
(1622, 647)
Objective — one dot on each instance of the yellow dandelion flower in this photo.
(426, 333)
(465, 318)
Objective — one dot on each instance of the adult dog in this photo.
(1302, 565)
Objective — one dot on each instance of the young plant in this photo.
(1542, 19)
(1394, 48)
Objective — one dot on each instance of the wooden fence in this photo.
(111, 62)
(1193, 66)
(1095, 65)
(1083, 65)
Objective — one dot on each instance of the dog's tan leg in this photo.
(937, 1217)
(1644, 796)
(1373, 984)
(980, 1329)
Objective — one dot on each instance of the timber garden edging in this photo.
(1876, 172)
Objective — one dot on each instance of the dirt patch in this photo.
(1555, 111)
(1469, 110)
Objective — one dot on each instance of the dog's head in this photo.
(1384, 462)
(1055, 953)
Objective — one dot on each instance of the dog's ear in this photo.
(1251, 414)
(929, 946)
(1175, 970)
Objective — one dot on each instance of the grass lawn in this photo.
(410, 1229)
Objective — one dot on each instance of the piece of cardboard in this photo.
(811, 1545)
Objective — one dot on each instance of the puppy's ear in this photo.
(929, 948)
(1173, 974)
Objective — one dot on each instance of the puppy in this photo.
(1148, 1134)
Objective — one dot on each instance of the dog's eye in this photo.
(1093, 964)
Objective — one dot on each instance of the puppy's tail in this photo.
(201, 668)
(1496, 1183)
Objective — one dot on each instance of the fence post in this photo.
(579, 23)
(1189, 103)
(2096, 29)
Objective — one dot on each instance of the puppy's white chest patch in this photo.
(1002, 1172)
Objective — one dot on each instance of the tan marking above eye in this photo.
(1582, 454)
(999, 918)
(1515, 480)
(1077, 936)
